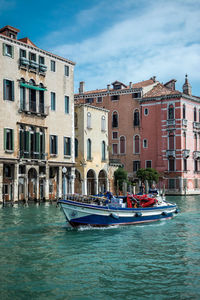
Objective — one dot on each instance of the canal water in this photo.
(42, 259)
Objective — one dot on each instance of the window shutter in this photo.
(4, 49)
(69, 146)
(37, 146)
(4, 138)
(13, 90)
(12, 53)
(12, 145)
(27, 135)
(65, 150)
(50, 142)
(56, 140)
(43, 143)
(4, 89)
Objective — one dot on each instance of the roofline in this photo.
(91, 106)
(168, 96)
(37, 49)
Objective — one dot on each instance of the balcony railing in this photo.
(196, 154)
(186, 153)
(32, 65)
(171, 122)
(196, 125)
(32, 108)
(32, 155)
(171, 153)
(184, 122)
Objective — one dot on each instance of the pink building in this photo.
(153, 125)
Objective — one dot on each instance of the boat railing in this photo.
(90, 199)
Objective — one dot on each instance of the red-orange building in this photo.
(153, 125)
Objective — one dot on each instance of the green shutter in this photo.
(27, 135)
(4, 49)
(12, 145)
(50, 143)
(4, 89)
(69, 146)
(5, 138)
(64, 140)
(56, 145)
(12, 49)
(43, 143)
(13, 91)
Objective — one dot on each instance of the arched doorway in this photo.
(102, 179)
(77, 183)
(91, 182)
(32, 184)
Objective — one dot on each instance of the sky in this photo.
(124, 40)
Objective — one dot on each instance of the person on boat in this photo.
(153, 190)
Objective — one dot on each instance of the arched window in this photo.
(136, 118)
(32, 97)
(41, 99)
(103, 123)
(171, 141)
(22, 95)
(171, 112)
(115, 119)
(122, 145)
(103, 150)
(195, 114)
(89, 120)
(76, 148)
(136, 144)
(184, 111)
(184, 140)
(89, 149)
(195, 142)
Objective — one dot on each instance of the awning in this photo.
(34, 87)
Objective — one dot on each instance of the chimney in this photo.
(108, 87)
(171, 84)
(187, 89)
(130, 84)
(153, 78)
(81, 87)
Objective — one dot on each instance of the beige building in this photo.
(93, 173)
(36, 121)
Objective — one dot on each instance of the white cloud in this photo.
(161, 39)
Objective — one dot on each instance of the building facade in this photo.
(36, 118)
(93, 175)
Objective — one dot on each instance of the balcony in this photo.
(32, 65)
(171, 153)
(196, 125)
(184, 122)
(24, 62)
(186, 153)
(171, 122)
(196, 154)
(32, 108)
(32, 155)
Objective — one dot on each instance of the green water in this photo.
(42, 259)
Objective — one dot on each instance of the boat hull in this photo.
(80, 214)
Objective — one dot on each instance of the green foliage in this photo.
(120, 175)
(148, 174)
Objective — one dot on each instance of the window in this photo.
(7, 171)
(53, 101)
(115, 119)
(53, 66)
(22, 53)
(76, 148)
(195, 114)
(32, 56)
(103, 148)
(146, 111)
(136, 165)
(171, 183)
(115, 97)
(89, 100)
(145, 143)
(195, 142)
(148, 163)
(184, 111)
(66, 104)
(8, 139)
(114, 149)
(115, 135)
(89, 149)
(136, 144)
(8, 50)
(67, 146)
(8, 90)
(171, 141)
(196, 165)
(136, 118)
(171, 112)
(89, 120)
(184, 140)
(41, 99)
(41, 60)
(172, 165)
(122, 142)
(42, 144)
(22, 96)
(53, 144)
(99, 99)
(66, 70)
(184, 164)
(32, 97)
(136, 95)
(103, 123)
